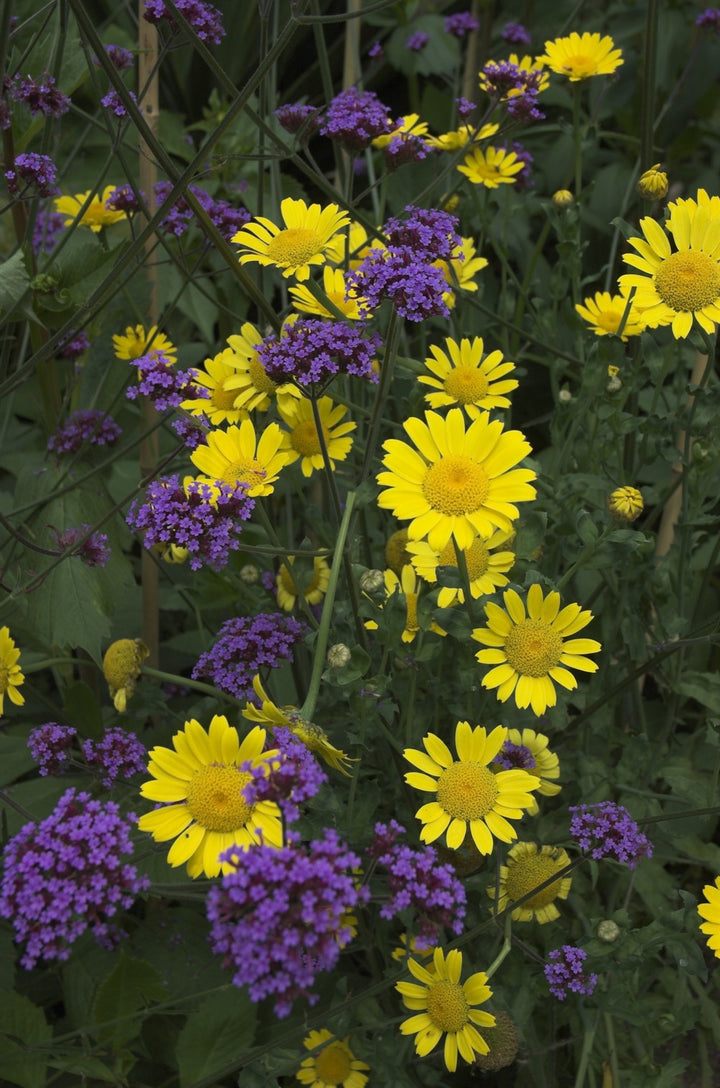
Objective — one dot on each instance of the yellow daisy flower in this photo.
(232, 457)
(313, 737)
(135, 342)
(691, 206)
(463, 136)
(604, 313)
(121, 669)
(201, 783)
(96, 215)
(678, 286)
(408, 586)
(626, 503)
(465, 376)
(11, 675)
(492, 167)
(409, 125)
(470, 797)
(334, 1063)
(529, 751)
(445, 1006)
(301, 243)
(461, 270)
(313, 591)
(253, 388)
(710, 911)
(582, 56)
(220, 408)
(529, 866)
(455, 483)
(529, 651)
(334, 287)
(302, 441)
(485, 564)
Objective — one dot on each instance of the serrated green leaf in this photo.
(216, 1036)
(128, 990)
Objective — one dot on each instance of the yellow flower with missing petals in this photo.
(313, 591)
(464, 136)
(460, 270)
(605, 313)
(121, 669)
(289, 717)
(529, 866)
(582, 56)
(334, 287)
(530, 651)
(486, 565)
(470, 797)
(11, 675)
(408, 587)
(455, 482)
(236, 455)
(710, 911)
(302, 242)
(333, 1066)
(96, 216)
(302, 440)
(135, 342)
(445, 1006)
(465, 376)
(492, 167)
(626, 503)
(678, 287)
(200, 782)
(409, 125)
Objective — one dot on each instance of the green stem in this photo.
(588, 1041)
(469, 600)
(505, 948)
(196, 685)
(612, 1048)
(308, 708)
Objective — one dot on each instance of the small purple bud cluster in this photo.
(41, 96)
(564, 972)
(120, 57)
(123, 199)
(608, 830)
(94, 551)
(417, 41)
(113, 102)
(93, 428)
(515, 34)
(514, 757)
(227, 218)
(205, 19)
(281, 917)
(312, 352)
(294, 116)
(118, 755)
(414, 286)
(709, 20)
(166, 387)
(31, 171)
(47, 228)
(73, 345)
(354, 118)
(205, 519)
(431, 234)
(376, 50)
(288, 779)
(66, 875)
(246, 645)
(418, 881)
(192, 430)
(404, 147)
(499, 77)
(465, 108)
(460, 24)
(50, 746)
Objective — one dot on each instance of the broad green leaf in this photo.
(129, 990)
(216, 1036)
(14, 282)
(704, 687)
(23, 1033)
(15, 757)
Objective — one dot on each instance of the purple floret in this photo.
(246, 645)
(205, 19)
(93, 551)
(31, 171)
(50, 746)
(416, 287)
(515, 34)
(41, 96)
(564, 972)
(461, 23)
(92, 428)
(607, 830)
(431, 234)
(354, 118)
(287, 779)
(118, 755)
(165, 386)
(312, 352)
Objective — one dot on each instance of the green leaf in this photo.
(69, 609)
(440, 56)
(83, 709)
(704, 687)
(15, 757)
(24, 1031)
(216, 1036)
(14, 282)
(129, 989)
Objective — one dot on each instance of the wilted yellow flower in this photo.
(121, 668)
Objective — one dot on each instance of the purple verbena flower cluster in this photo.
(113, 102)
(404, 147)
(227, 218)
(244, 646)
(123, 199)
(501, 77)
(118, 755)
(192, 430)
(92, 428)
(461, 23)
(564, 972)
(354, 118)
(66, 874)
(431, 234)
(515, 34)
(119, 57)
(418, 881)
(608, 830)
(205, 19)
(465, 108)
(40, 95)
(313, 351)
(417, 41)
(94, 552)
(289, 778)
(165, 386)
(50, 746)
(73, 345)
(47, 228)
(294, 116)
(515, 757)
(523, 107)
(414, 286)
(205, 519)
(282, 917)
(31, 171)
(709, 20)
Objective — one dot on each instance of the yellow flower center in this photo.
(333, 1064)
(411, 622)
(456, 485)
(467, 791)
(294, 246)
(215, 799)
(259, 378)
(251, 473)
(688, 280)
(581, 65)
(466, 384)
(446, 1005)
(609, 320)
(477, 558)
(527, 873)
(120, 663)
(223, 398)
(305, 439)
(533, 648)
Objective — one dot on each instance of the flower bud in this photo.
(563, 198)
(614, 384)
(653, 184)
(372, 581)
(121, 669)
(608, 930)
(338, 656)
(564, 396)
(249, 574)
(626, 503)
